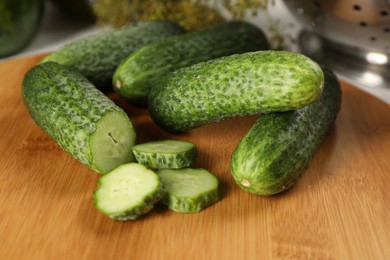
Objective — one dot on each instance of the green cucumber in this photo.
(128, 192)
(237, 85)
(189, 190)
(279, 146)
(162, 154)
(97, 56)
(134, 78)
(79, 117)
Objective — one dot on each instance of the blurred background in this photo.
(350, 36)
(47, 24)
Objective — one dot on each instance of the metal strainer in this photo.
(350, 36)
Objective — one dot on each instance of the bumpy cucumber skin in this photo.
(67, 107)
(135, 212)
(165, 160)
(138, 73)
(188, 205)
(97, 56)
(278, 148)
(241, 84)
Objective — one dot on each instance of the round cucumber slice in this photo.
(162, 154)
(189, 190)
(128, 192)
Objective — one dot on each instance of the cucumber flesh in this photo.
(189, 190)
(128, 192)
(111, 140)
(162, 154)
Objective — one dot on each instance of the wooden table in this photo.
(339, 209)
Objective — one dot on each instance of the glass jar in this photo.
(19, 23)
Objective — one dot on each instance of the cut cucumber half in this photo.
(189, 190)
(128, 192)
(79, 117)
(170, 154)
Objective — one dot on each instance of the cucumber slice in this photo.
(171, 154)
(128, 192)
(189, 190)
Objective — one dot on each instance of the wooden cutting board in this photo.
(339, 209)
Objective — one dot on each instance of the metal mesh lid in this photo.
(364, 24)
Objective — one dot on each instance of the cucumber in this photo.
(128, 192)
(278, 148)
(134, 78)
(97, 56)
(189, 190)
(171, 154)
(236, 85)
(80, 118)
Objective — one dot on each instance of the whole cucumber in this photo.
(237, 85)
(97, 56)
(79, 117)
(134, 78)
(278, 148)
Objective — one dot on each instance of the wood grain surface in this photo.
(339, 209)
